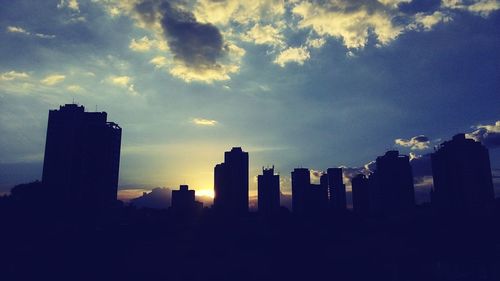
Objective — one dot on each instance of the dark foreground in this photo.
(129, 244)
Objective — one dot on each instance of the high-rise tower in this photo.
(268, 191)
(231, 182)
(462, 177)
(336, 189)
(82, 157)
(391, 188)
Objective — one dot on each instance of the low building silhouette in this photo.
(82, 157)
(268, 185)
(462, 177)
(231, 183)
(183, 200)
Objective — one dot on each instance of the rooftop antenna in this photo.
(73, 100)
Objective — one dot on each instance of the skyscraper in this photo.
(336, 189)
(462, 177)
(301, 181)
(231, 182)
(391, 185)
(82, 157)
(268, 185)
(360, 194)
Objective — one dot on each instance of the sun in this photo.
(205, 192)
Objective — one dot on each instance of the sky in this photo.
(317, 83)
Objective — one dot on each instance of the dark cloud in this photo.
(192, 42)
(421, 139)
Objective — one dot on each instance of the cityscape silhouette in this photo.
(211, 140)
(71, 226)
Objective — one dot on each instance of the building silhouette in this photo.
(462, 177)
(183, 200)
(336, 189)
(301, 181)
(268, 185)
(391, 185)
(308, 198)
(361, 194)
(231, 182)
(82, 157)
(316, 197)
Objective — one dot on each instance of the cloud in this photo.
(209, 73)
(145, 44)
(293, 54)
(53, 79)
(239, 11)
(13, 75)
(315, 175)
(355, 22)
(201, 36)
(70, 4)
(316, 42)
(393, 3)
(352, 22)
(17, 29)
(191, 42)
(74, 88)
(427, 21)
(204, 122)
(199, 50)
(20, 30)
(264, 35)
(488, 135)
(415, 143)
(480, 7)
(159, 61)
(126, 195)
(484, 7)
(348, 173)
(122, 81)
